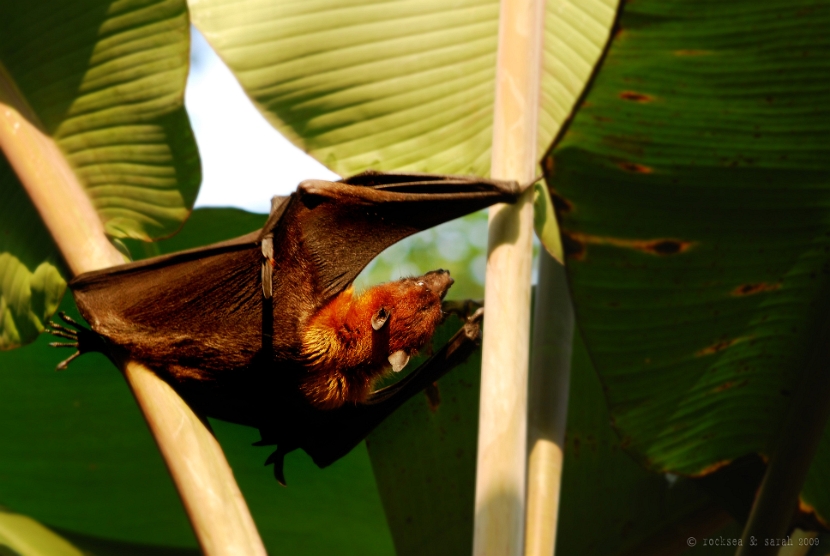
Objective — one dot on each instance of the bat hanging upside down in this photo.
(265, 330)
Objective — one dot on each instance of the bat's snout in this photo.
(438, 281)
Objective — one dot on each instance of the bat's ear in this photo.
(380, 318)
(399, 360)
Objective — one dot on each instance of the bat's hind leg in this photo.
(83, 339)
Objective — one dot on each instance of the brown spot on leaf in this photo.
(635, 168)
(665, 247)
(691, 52)
(807, 511)
(572, 246)
(661, 247)
(730, 384)
(718, 346)
(560, 204)
(636, 97)
(711, 468)
(750, 289)
(433, 396)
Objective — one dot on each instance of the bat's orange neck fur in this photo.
(345, 356)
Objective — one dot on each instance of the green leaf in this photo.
(609, 504)
(77, 455)
(393, 85)
(109, 88)
(23, 536)
(105, 81)
(545, 224)
(576, 32)
(31, 286)
(95, 546)
(696, 182)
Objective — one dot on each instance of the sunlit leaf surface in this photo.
(394, 84)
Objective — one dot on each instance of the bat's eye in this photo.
(419, 284)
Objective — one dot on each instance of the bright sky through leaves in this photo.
(245, 161)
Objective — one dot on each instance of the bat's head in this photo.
(353, 341)
(413, 310)
(436, 281)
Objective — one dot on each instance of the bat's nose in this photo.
(438, 281)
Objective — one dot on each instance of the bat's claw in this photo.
(85, 340)
(462, 308)
(278, 459)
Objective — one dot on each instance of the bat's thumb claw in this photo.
(472, 328)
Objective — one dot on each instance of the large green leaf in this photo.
(696, 186)
(78, 457)
(394, 84)
(105, 80)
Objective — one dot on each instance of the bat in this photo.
(265, 330)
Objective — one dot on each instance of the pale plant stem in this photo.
(502, 438)
(211, 497)
(550, 377)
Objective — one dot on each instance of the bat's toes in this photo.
(62, 366)
(71, 322)
(85, 340)
(63, 344)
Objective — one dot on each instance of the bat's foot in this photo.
(83, 339)
(278, 459)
